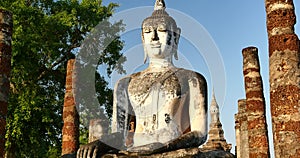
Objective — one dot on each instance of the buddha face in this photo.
(159, 39)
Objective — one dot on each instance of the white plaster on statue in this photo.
(120, 96)
(196, 109)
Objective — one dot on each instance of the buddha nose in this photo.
(155, 36)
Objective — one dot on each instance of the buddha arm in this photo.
(198, 105)
(197, 114)
(116, 140)
(187, 140)
(121, 106)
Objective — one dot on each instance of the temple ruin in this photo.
(284, 72)
(250, 121)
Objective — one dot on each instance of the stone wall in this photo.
(70, 142)
(255, 105)
(284, 77)
(6, 25)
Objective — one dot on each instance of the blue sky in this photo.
(232, 25)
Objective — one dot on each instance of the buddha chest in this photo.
(155, 99)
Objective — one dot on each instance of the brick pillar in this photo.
(241, 126)
(6, 25)
(255, 105)
(237, 136)
(284, 77)
(70, 137)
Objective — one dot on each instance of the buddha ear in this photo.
(145, 57)
(145, 52)
(176, 55)
(177, 36)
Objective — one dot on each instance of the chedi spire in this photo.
(216, 139)
(214, 109)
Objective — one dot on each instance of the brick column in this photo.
(6, 25)
(241, 126)
(237, 136)
(70, 137)
(284, 77)
(255, 105)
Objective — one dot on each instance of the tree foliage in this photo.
(46, 34)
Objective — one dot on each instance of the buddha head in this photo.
(160, 34)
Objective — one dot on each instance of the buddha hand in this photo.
(148, 148)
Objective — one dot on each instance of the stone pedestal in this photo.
(186, 153)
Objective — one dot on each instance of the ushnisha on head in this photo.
(160, 34)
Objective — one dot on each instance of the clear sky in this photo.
(232, 25)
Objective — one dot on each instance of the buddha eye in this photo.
(147, 30)
(162, 29)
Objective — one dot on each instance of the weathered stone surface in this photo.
(283, 45)
(286, 15)
(6, 25)
(241, 126)
(285, 69)
(186, 153)
(70, 132)
(284, 61)
(255, 104)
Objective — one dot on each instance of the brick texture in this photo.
(284, 77)
(255, 105)
(70, 132)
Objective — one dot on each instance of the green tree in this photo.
(46, 34)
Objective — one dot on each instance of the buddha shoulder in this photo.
(191, 76)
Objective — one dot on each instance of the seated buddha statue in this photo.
(161, 108)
